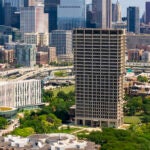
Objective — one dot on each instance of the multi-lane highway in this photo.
(41, 70)
(17, 70)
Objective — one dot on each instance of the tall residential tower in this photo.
(99, 65)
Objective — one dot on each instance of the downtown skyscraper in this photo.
(71, 14)
(147, 12)
(99, 65)
(50, 7)
(133, 19)
(15, 3)
(102, 13)
(33, 19)
(116, 12)
(1, 12)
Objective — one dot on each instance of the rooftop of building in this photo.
(20, 81)
(35, 33)
(25, 44)
(99, 30)
(138, 35)
(59, 141)
(4, 109)
(42, 52)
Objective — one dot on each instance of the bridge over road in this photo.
(41, 70)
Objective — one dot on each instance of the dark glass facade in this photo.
(1, 13)
(89, 17)
(147, 12)
(51, 9)
(133, 20)
(26, 3)
(11, 16)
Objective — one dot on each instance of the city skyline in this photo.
(102, 13)
(127, 3)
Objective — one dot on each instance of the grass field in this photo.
(132, 119)
(66, 89)
(61, 73)
(69, 131)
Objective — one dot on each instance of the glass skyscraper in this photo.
(33, 19)
(15, 3)
(133, 19)
(147, 12)
(1, 12)
(62, 40)
(102, 13)
(71, 14)
(50, 7)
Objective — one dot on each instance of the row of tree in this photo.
(135, 138)
(142, 78)
(140, 105)
(59, 105)
(61, 64)
(49, 118)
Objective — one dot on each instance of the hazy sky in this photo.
(127, 3)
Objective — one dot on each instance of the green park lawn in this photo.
(66, 89)
(61, 73)
(69, 131)
(132, 119)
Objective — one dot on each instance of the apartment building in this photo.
(20, 93)
(6, 56)
(99, 65)
(39, 39)
(25, 54)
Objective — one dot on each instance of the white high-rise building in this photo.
(20, 93)
(33, 19)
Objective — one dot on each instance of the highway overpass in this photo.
(41, 70)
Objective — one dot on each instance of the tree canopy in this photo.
(115, 139)
(3, 122)
(24, 132)
(142, 78)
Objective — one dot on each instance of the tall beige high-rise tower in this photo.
(99, 65)
(102, 13)
(116, 12)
